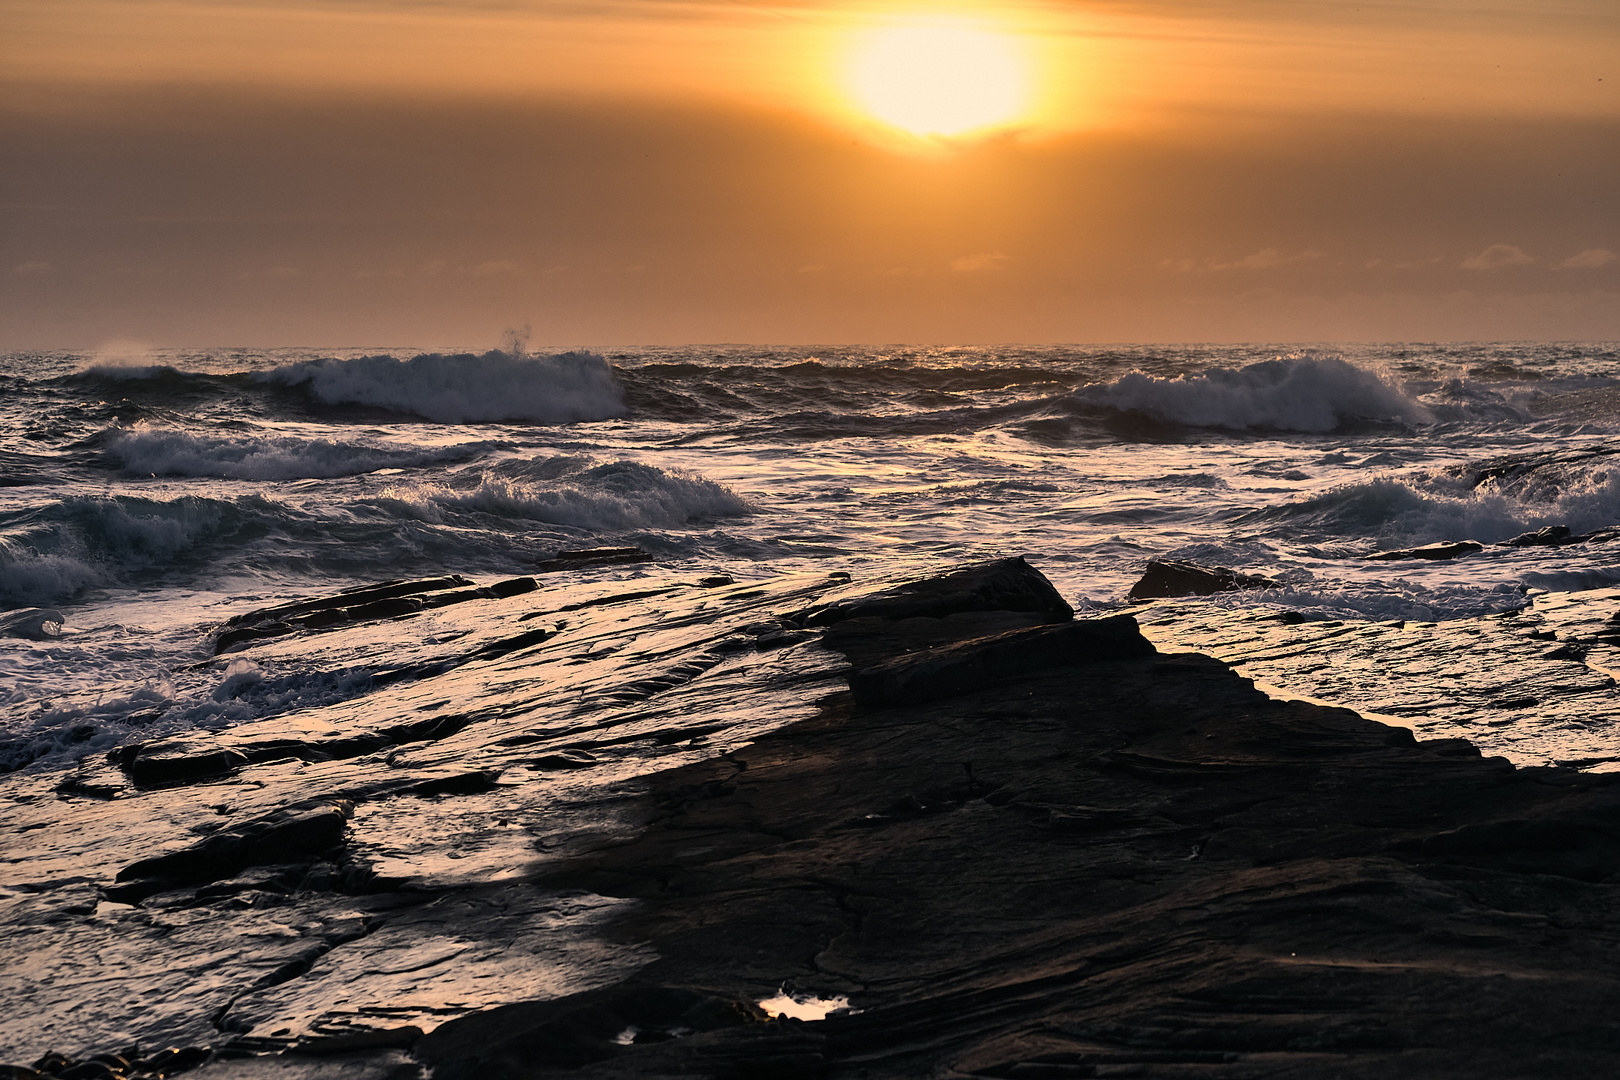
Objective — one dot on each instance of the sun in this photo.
(939, 78)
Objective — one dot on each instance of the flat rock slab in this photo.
(1026, 845)
(1134, 867)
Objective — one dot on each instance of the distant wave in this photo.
(463, 388)
(157, 451)
(132, 372)
(1299, 393)
(611, 497)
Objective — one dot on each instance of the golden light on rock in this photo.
(940, 77)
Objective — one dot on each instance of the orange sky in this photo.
(426, 172)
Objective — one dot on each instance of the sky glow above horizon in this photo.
(280, 171)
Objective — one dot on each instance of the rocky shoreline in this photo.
(587, 830)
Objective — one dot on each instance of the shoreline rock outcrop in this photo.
(1164, 578)
(1003, 843)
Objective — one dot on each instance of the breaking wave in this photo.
(609, 497)
(157, 451)
(464, 388)
(50, 552)
(1462, 504)
(1300, 393)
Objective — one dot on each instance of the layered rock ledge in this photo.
(995, 840)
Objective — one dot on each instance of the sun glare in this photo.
(939, 78)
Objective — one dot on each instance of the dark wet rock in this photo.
(974, 665)
(514, 587)
(567, 759)
(369, 1039)
(385, 609)
(388, 600)
(39, 624)
(236, 635)
(463, 783)
(1004, 586)
(582, 1029)
(1449, 549)
(590, 558)
(344, 747)
(178, 760)
(1550, 536)
(1138, 864)
(348, 598)
(286, 835)
(1173, 577)
(250, 1061)
(1018, 847)
(619, 598)
(90, 1070)
(172, 1060)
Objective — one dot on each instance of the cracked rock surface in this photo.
(591, 827)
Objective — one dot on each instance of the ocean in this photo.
(146, 496)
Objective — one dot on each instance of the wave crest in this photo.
(611, 497)
(464, 388)
(1298, 393)
(155, 451)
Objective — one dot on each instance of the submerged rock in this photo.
(367, 603)
(1173, 577)
(1449, 549)
(1550, 536)
(40, 624)
(291, 835)
(590, 558)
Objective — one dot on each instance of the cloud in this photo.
(496, 268)
(1264, 259)
(33, 270)
(1590, 259)
(1497, 256)
(281, 273)
(983, 260)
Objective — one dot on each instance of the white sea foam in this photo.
(1301, 393)
(1421, 507)
(167, 705)
(84, 542)
(459, 389)
(170, 452)
(611, 497)
(1417, 600)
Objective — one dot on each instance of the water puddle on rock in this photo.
(797, 1005)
